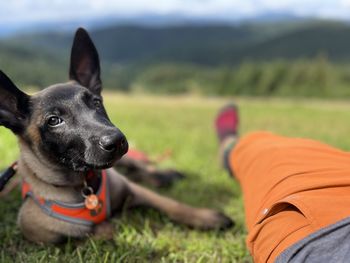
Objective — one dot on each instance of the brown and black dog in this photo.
(67, 148)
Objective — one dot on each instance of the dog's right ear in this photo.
(14, 105)
(85, 63)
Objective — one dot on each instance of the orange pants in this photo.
(291, 187)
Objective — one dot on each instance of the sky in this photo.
(24, 11)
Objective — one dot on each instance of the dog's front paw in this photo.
(207, 219)
(165, 178)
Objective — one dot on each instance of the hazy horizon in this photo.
(34, 11)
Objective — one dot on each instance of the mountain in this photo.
(42, 58)
(145, 19)
(125, 44)
(331, 39)
(206, 44)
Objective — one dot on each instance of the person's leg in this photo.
(252, 171)
(291, 187)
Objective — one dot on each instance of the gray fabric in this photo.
(330, 244)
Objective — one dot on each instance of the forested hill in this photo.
(212, 44)
(253, 58)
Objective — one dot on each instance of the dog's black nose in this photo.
(114, 142)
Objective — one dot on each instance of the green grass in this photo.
(183, 125)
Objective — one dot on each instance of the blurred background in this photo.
(207, 47)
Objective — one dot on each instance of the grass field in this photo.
(183, 125)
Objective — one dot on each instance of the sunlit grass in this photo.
(183, 125)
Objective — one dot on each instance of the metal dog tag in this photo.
(91, 202)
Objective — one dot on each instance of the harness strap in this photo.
(75, 213)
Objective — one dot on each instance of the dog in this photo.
(68, 146)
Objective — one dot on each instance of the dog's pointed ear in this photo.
(14, 105)
(85, 63)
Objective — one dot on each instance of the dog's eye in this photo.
(97, 104)
(54, 121)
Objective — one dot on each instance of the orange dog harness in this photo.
(76, 213)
